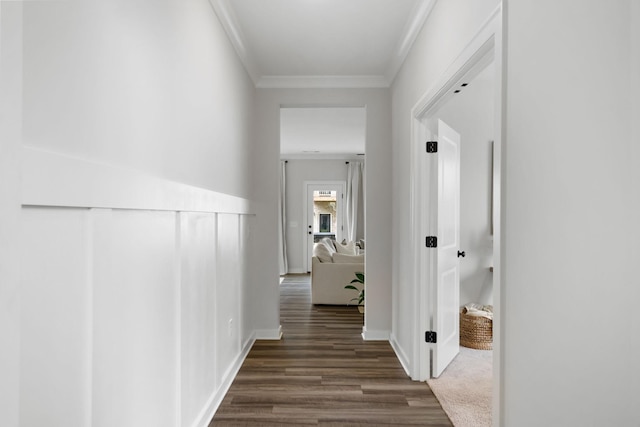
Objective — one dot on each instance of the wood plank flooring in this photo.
(323, 373)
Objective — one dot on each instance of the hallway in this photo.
(323, 373)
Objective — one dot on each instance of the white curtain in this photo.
(354, 197)
(282, 223)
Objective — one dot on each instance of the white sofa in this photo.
(331, 271)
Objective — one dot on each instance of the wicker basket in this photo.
(476, 332)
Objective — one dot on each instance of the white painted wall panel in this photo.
(198, 316)
(228, 295)
(55, 373)
(136, 319)
(246, 234)
(228, 318)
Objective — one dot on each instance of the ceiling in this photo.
(322, 43)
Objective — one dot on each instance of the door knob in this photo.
(461, 254)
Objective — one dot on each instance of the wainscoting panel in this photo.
(198, 304)
(135, 318)
(133, 296)
(55, 353)
(246, 230)
(228, 294)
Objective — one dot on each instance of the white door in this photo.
(323, 222)
(446, 283)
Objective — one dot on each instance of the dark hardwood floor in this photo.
(323, 373)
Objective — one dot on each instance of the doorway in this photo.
(319, 144)
(324, 213)
(477, 67)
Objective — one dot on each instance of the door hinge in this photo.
(431, 241)
(431, 337)
(432, 146)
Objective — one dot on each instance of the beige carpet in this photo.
(464, 388)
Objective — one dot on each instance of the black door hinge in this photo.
(431, 242)
(431, 337)
(432, 146)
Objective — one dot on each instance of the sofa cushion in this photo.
(323, 253)
(330, 243)
(339, 258)
(347, 249)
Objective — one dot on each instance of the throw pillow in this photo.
(339, 258)
(348, 249)
(330, 243)
(321, 251)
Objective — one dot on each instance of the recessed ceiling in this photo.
(322, 132)
(322, 43)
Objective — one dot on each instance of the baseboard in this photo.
(206, 415)
(269, 334)
(374, 335)
(402, 357)
(297, 271)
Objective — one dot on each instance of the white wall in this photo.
(471, 113)
(378, 184)
(171, 95)
(446, 33)
(122, 286)
(299, 171)
(571, 218)
(10, 123)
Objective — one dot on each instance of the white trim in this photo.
(418, 17)
(213, 403)
(400, 354)
(269, 334)
(51, 179)
(321, 156)
(368, 335)
(89, 306)
(230, 24)
(476, 50)
(322, 82)
(180, 233)
(412, 28)
(484, 47)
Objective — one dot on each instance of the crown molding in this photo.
(412, 28)
(230, 24)
(227, 18)
(321, 156)
(322, 82)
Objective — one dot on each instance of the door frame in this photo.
(485, 47)
(308, 188)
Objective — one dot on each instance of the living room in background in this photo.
(319, 144)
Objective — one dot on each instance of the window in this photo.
(325, 223)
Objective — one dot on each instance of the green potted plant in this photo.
(360, 298)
